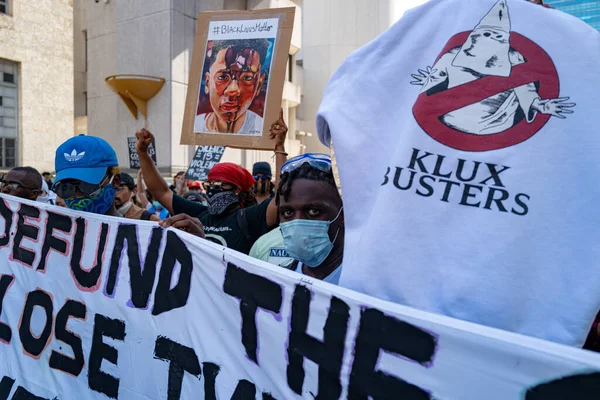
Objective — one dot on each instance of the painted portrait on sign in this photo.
(234, 86)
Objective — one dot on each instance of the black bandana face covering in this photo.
(218, 202)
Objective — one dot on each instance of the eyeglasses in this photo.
(317, 160)
(262, 177)
(13, 186)
(217, 185)
(67, 190)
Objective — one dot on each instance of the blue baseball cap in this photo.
(85, 158)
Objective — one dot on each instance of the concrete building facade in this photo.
(155, 37)
(56, 54)
(36, 81)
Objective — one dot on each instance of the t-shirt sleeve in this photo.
(183, 206)
(257, 219)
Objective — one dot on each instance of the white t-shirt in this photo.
(463, 194)
(333, 277)
(252, 126)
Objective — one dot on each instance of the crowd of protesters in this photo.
(293, 218)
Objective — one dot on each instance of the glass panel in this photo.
(10, 152)
(2, 8)
(9, 122)
(9, 78)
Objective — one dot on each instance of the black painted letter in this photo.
(167, 299)
(141, 279)
(181, 359)
(72, 366)
(98, 380)
(327, 354)
(254, 291)
(382, 332)
(34, 345)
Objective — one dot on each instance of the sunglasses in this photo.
(13, 186)
(319, 161)
(67, 190)
(217, 185)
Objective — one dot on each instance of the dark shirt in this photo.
(224, 229)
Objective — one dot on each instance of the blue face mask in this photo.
(308, 240)
(99, 203)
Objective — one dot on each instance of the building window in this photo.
(4, 9)
(85, 44)
(290, 65)
(8, 113)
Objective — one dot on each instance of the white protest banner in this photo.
(99, 307)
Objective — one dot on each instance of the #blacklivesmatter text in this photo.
(242, 28)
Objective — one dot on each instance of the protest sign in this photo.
(238, 55)
(205, 158)
(100, 307)
(134, 161)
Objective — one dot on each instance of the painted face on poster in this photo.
(233, 90)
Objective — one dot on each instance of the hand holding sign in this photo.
(278, 131)
(185, 223)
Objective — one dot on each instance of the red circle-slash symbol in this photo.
(538, 68)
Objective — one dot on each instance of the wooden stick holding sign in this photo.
(237, 77)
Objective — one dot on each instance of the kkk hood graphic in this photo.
(517, 78)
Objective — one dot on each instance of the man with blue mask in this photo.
(311, 217)
(87, 175)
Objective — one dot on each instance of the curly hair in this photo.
(260, 45)
(247, 199)
(306, 171)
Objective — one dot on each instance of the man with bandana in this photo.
(87, 175)
(234, 79)
(232, 217)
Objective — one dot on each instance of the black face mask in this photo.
(219, 202)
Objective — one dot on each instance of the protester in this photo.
(263, 188)
(23, 182)
(271, 248)
(194, 186)
(178, 176)
(46, 196)
(312, 219)
(125, 201)
(196, 196)
(87, 175)
(48, 178)
(232, 217)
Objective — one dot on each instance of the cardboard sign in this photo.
(134, 161)
(97, 307)
(237, 77)
(205, 158)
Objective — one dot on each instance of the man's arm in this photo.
(278, 132)
(141, 190)
(156, 184)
